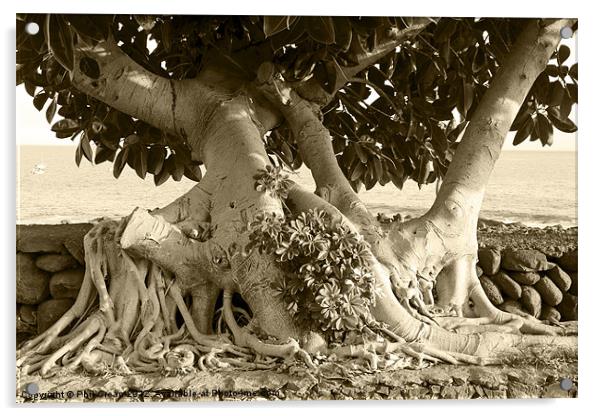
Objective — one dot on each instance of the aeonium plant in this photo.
(327, 286)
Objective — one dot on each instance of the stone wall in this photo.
(50, 270)
(529, 281)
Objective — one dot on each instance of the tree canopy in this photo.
(399, 118)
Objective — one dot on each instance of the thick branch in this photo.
(154, 239)
(315, 145)
(313, 92)
(460, 197)
(108, 74)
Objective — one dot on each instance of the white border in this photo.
(589, 151)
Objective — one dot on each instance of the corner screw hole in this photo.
(566, 384)
(566, 32)
(32, 28)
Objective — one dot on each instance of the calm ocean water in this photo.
(536, 188)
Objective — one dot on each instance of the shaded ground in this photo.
(527, 380)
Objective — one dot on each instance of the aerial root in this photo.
(478, 325)
(92, 326)
(244, 338)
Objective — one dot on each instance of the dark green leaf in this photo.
(60, 40)
(89, 67)
(360, 152)
(468, 95)
(572, 90)
(573, 71)
(162, 176)
(563, 124)
(320, 29)
(378, 168)
(66, 126)
(276, 24)
(141, 160)
(287, 153)
(176, 169)
(193, 172)
(120, 162)
(78, 155)
(552, 71)
(89, 27)
(343, 32)
(40, 100)
(325, 72)
(555, 94)
(84, 143)
(131, 140)
(156, 157)
(30, 88)
(523, 132)
(563, 54)
(51, 110)
(103, 154)
(544, 128)
(358, 171)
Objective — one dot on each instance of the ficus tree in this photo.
(359, 101)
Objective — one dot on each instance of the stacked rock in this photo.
(528, 281)
(50, 271)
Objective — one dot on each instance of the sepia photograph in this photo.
(295, 207)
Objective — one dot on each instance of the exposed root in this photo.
(244, 338)
(135, 328)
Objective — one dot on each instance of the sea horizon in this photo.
(536, 188)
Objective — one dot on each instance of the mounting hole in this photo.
(566, 32)
(32, 388)
(32, 28)
(566, 384)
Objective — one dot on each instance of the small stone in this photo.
(507, 285)
(112, 386)
(513, 306)
(491, 290)
(479, 271)
(485, 378)
(32, 283)
(569, 261)
(560, 278)
(524, 260)
(169, 383)
(55, 262)
(66, 284)
(531, 300)
(525, 278)
(574, 289)
(137, 383)
(489, 260)
(438, 379)
(50, 311)
(76, 249)
(568, 307)
(50, 238)
(26, 319)
(550, 314)
(549, 292)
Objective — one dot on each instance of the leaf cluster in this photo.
(328, 286)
